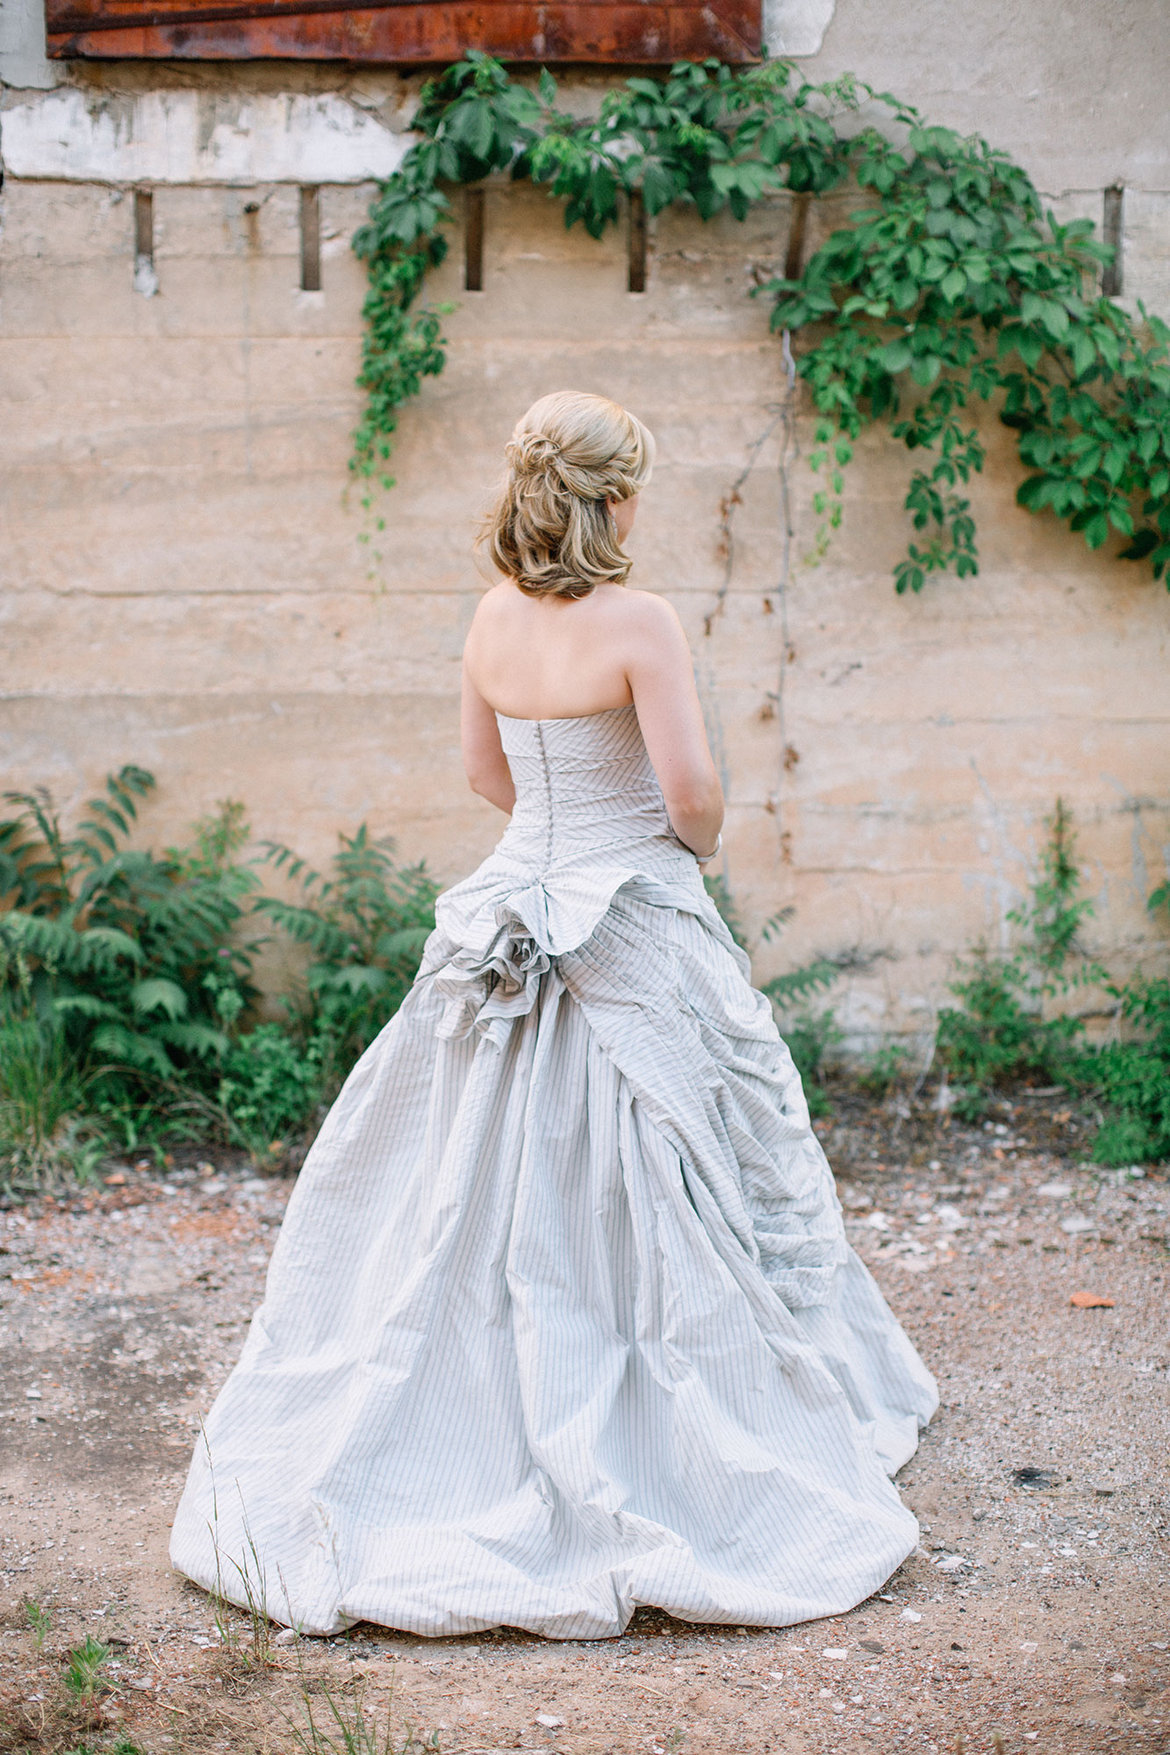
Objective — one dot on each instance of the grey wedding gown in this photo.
(562, 1319)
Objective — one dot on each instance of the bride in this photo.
(562, 1319)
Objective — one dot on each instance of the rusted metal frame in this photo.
(559, 34)
(83, 23)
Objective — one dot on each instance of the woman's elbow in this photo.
(695, 798)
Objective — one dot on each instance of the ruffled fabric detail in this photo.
(488, 988)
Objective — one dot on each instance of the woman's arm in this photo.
(484, 761)
(661, 676)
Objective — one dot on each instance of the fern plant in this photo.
(132, 953)
(364, 926)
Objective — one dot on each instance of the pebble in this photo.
(549, 1720)
(1055, 1190)
(911, 1615)
(33, 1395)
(832, 1651)
(1077, 1224)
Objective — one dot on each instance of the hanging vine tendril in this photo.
(949, 285)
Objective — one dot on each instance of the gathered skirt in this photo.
(562, 1319)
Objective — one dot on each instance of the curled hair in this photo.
(551, 530)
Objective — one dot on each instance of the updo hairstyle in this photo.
(551, 530)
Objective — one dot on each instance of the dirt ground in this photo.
(1035, 1612)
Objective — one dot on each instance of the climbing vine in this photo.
(948, 285)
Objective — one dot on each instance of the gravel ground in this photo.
(1035, 1611)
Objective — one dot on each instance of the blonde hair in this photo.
(551, 530)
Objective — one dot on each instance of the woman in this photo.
(562, 1319)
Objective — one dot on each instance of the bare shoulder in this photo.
(492, 609)
(638, 609)
(495, 601)
(647, 615)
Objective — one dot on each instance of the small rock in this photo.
(1078, 1224)
(33, 1395)
(286, 1636)
(1027, 1645)
(910, 1615)
(877, 1221)
(1055, 1190)
(550, 1721)
(834, 1651)
(871, 1645)
(952, 1563)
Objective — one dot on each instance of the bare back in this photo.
(552, 657)
(564, 658)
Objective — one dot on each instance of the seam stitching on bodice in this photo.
(548, 802)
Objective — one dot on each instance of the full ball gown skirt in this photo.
(561, 1319)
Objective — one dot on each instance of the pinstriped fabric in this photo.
(562, 1318)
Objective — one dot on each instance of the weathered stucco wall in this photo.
(182, 585)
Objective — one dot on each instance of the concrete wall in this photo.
(182, 582)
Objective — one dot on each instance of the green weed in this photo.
(83, 1673)
(347, 1726)
(39, 1621)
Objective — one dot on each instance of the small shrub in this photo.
(1006, 1030)
(883, 1071)
(1000, 1035)
(1133, 1079)
(270, 1089)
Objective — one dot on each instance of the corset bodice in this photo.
(584, 788)
(589, 819)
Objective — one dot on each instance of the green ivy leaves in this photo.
(951, 284)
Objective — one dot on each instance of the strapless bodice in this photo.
(585, 788)
(589, 821)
